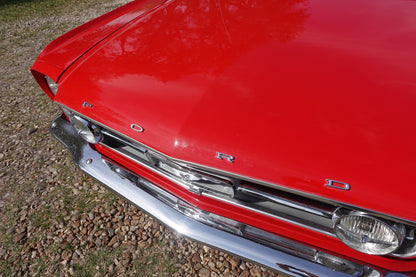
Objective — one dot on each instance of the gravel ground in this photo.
(55, 220)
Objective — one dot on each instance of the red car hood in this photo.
(297, 91)
(66, 49)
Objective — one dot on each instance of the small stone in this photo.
(23, 216)
(52, 170)
(76, 224)
(116, 262)
(227, 273)
(234, 262)
(32, 130)
(110, 232)
(57, 258)
(98, 242)
(66, 255)
(75, 256)
(64, 262)
(10, 230)
(19, 238)
(125, 262)
(21, 230)
(196, 258)
(243, 266)
(256, 272)
(244, 274)
(204, 273)
(113, 241)
(70, 238)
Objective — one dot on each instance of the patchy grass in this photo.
(53, 217)
(97, 262)
(55, 221)
(29, 9)
(154, 260)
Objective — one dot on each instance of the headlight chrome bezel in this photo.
(363, 238)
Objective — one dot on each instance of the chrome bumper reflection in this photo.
(210, 229)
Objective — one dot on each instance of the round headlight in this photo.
(85, 129)
(368, 234)
(52, 85)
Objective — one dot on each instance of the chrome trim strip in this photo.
(302, 223)
(91, 163)
(138, 146)
(286, 202)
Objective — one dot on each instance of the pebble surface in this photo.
(55, 220)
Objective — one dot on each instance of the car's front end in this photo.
(256, 128)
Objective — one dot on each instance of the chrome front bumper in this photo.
(145, 195)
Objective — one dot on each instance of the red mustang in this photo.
(283, 131)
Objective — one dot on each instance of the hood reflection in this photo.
(189, 37)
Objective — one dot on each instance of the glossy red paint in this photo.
(297, 91)
(66, 49)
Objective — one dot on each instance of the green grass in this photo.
(39, 265)
(154, 261)
(18, 9)
(43, 217)
(97, 262)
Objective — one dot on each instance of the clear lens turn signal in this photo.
(85, 129)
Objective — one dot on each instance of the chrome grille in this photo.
(277, 204)
(263, 198)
